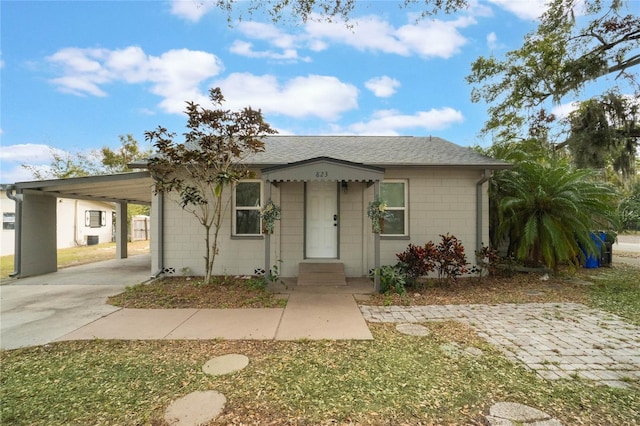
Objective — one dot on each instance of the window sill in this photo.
(247, 237)
(395, 237)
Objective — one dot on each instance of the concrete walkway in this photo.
(308, 315)
(556, 340)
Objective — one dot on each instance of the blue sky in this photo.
(75, 75)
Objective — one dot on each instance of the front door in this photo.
(321, 219)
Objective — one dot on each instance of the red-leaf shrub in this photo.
(417, 261)
(451, 260)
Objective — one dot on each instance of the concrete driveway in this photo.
(38, 310)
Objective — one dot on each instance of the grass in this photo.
(394, 379)
(617, 291)
(80, 255)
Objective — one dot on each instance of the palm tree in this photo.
(549, 210)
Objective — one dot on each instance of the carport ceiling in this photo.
(135, 187)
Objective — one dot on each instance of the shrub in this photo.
(447, 258)
(487, 260)
(417, 261)
(451, 260)
(392, 279)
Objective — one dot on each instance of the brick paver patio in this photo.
(557, 340)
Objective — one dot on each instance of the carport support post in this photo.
(121, 230)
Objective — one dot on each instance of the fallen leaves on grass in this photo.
(393, 379)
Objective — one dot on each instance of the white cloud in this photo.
(523, 9)
(492, 40)
(426, 38)
(244, 48)
(563, 110)
(287, 45)
(382, 87)
(176, 75)
(29, 152)
(391, 122)
(191, 10)
(311, 96)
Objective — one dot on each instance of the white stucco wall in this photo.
(70, 223)
(7, 236)
(71, 226)
(441, 200)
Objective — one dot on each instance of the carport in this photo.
(35, 228)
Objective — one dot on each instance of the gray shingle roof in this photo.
(371, 150)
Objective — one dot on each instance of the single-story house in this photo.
(78, 223)
(323, 185)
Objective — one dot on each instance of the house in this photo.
(323, 185)
(97, 204)
(78, 223)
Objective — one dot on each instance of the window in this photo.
(394, 192)
(8, 221)
(95, 218)
(247, 199)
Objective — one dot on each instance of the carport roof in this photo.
(134, 187)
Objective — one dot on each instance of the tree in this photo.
(63, 165)
(605, 132)
(549, 209)
(556, 60)
(105, 161)
(118, 161)
(328, 10)
(209, 162)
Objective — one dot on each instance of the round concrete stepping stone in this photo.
(225, 364)
(195, 408)
(512, 413)
(412, 329)
(474, 352)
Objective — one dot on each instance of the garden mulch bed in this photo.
(246, 292)
(191, 292)
(519, 288)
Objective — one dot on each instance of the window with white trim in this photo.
(8, 221)
(247, 200)
(95, 218)
(395, 194)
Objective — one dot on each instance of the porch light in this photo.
(345, 186)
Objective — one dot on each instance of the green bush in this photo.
(392, 279)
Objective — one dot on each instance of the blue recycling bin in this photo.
(594, 260)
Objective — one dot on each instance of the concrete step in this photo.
(321, 274)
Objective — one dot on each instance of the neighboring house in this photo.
(78, 223)
(323, 185)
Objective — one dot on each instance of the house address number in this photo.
(322, 174)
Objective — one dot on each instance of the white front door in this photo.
(321, 220)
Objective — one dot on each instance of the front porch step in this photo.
(321, 274)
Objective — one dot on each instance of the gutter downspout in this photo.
(18, 230)
(479, 208)
(160, 236)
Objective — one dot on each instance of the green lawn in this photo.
(394, 379)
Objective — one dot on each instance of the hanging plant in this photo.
(269, 213)
(377, 212)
